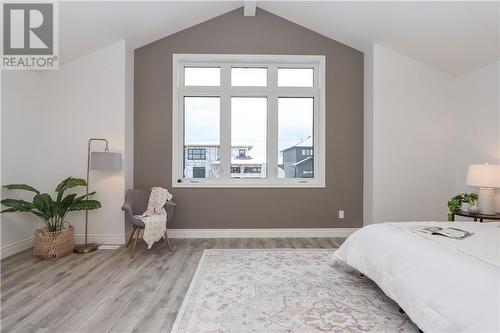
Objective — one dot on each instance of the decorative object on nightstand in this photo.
(469, 200)
(474, 209)
(104, 160)
(57, 238)
(486, 177)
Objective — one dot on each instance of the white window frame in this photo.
(225, 91)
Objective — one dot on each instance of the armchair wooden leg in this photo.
(136, 232)
(131, 235)
(167, 240)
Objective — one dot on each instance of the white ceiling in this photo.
(87, 26)
(455, 37)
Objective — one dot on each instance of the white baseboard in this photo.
(20, 246)
(25, 244)
(109, 247)
(101, 239)
(261, 233)
(17, 247)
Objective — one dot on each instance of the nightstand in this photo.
(481, 217)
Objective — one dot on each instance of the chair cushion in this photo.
(138, 222)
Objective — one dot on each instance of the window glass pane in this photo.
(295, 77)
(201, 137)
(295, 138)
(254, 77)
(201, 76)
(197, 154)
(248, 137)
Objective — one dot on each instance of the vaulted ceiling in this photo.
(454, 37)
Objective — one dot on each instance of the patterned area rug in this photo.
(284, 290)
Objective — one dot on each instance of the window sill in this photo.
(250, 184)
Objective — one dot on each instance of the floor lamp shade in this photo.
(105, 160)
(486, 176)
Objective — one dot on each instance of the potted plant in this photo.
(469, 200)
(454, 205)
(462, 202)
(56, 239)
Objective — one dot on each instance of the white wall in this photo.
(422, 130)
(411, 139)
(128, 164)
(20, 119)
(475, 102)
(368, 138)
(87, 97)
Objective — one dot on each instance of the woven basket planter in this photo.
(53, 245)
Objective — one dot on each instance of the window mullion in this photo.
(272, 124)
(272, 137)
(178, 139)
(225, 125)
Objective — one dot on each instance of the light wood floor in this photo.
(106, 291)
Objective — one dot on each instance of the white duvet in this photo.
(444, 285)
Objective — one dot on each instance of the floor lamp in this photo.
(103, 160)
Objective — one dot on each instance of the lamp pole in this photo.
(87, 248)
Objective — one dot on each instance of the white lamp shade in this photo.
(105, 160)
(483, 175)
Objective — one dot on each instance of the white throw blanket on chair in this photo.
(155, 217)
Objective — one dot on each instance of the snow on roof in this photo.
(302, 161)
(307, 142)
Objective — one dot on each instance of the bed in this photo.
(443, 284)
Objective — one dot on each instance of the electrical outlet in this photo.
(341, 214)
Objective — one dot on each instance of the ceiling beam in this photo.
(250, 6)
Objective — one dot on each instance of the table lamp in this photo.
(486, 176)
(103, 160)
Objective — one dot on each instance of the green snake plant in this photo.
(51, 212)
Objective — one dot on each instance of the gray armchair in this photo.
(136, 203)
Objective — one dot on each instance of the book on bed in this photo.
(449, 232)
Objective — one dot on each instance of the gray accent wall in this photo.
(232, 33)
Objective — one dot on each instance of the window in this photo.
(306, 152)
(201, 76)
(295, 77)
(201, 135)
(248, 77)
(254, 169)
(199, 172)
(248, 121)
(295, 136)
(245, 111)
(197, 154)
